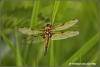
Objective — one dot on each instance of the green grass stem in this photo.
(11, 47)
(52, 43)
(33, 24)
(8, 42)
(84, 49)
(95, 57)
(34, 14)
(18, 59)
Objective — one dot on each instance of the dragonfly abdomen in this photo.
(45, 50)
(46, 44)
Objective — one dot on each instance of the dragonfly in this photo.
(50, 32)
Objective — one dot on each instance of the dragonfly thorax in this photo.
(47, 32)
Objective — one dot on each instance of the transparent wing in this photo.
(64, 35)
(33, 39)
(66, 25)
(29, 31)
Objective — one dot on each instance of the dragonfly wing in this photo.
(29, 31)
(64, 35)
(66, 25)
(33, 39)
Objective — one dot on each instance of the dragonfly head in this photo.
(49, 25)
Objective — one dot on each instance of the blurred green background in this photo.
(82, 48)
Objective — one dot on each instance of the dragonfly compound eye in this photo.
(49, 25)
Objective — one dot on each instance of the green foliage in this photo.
(91, 43)
(8, 42)
(34, 14)
(52, 43)
(82, 48)
(15, 51)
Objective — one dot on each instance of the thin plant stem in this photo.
(52, 43)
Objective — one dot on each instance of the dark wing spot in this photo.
(73, 19)
(41, 35)
(62, 32)
(74, 30)
(31, 28)
(62, 24)
(24, 38)
(53, 33)
(34, 36)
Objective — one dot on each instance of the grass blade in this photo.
(33, 24)
(84, 49)
(11, 46)
(18, 59)
(34, 14)
(95, 57)
(8, 42)
(55, 10)
(53, 18)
